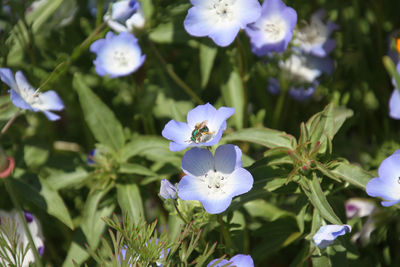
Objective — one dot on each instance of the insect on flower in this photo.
(201, 133)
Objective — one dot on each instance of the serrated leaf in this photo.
(263, 136)
(130, 200)
(100, 119)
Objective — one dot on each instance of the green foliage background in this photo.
(123, 118)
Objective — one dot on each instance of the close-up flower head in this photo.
(24, 96)
(205, 126)
(125, 15)
(220, 20)
(117, 55)
(273, 31)
(214, 179)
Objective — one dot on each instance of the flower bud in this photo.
(167, 190)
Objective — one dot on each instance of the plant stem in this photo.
(8, 124)
(242, 72)
(225, 233)
(22, 217)
(179, 213)
(175, 77)
(279, 105)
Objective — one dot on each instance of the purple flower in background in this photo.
(205, 126)
(274, 87)
(167, 190)
(327, 234)
(314, 38)
(125, 15)
(387, 185)
(24, 96)
(117, 55)
(239, 260)
(303, 93)
(273, 31)
(90, 157)
(221, 20)
(214, 180)
(359, 207)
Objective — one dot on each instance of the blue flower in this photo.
(221, 20)
(303, 93)
(239, 260)
(327, 234)
(24, 96)
(394, 102)
(125, 15)
(274, 86)
(167, 190)
(117, 55)
(273, 31)
(205, 126)
(314, 38)
(91, 156)
(214, 180)
(387, 185)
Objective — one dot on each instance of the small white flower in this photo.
(327, 234)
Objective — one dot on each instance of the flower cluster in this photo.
(35, 230)
(309, 58)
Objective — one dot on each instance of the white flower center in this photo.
(316, 33)
(224, 9)
(30, 96)
(122, 59)
(215, 182)
(274, 29)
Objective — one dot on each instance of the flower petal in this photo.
(215, 205)
(51, 101)
(18, 101)
(200, 114)
(240, 181)
(394, 105)
(197, 162)
(224, 34)
(51, 116)
(198, 22)
(241, 260)
(22, 83)
(178, 132)
(191, 188)
(221, 115)
(228, 158)
(7, 77)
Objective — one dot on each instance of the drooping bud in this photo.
(167, 190)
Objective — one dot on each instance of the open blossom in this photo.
(117, 55)
(387, 185)
(221, 20)
(314, 38)
(214, 180)
(125, 15)
(35, 230)
(239, 260)
(24, 96)
(273, 30)
(327, 234)
(205, 126)
(167, 190)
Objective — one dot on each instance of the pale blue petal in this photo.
(240, 181)
(389, 170)
(228, 158)
(199, 114)
(167, 190)
(328, 233)
(178, 132)
(197, 22)
(394, 105)
(376, 187)
(216, 205)
(123, 10)
(250, 11)
(390, 203)
(224, 36)
(175, 147)
(17, 100)
(222, 114)
(191, 188)
(51, 101)
(197, 162)
(51, 116)
(241, 260)
(22, 82)
(7, 77)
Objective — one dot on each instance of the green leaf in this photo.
(263, 136)
(100, 119)
(46, 199)
(232, 92)
(133, 168)
(130, 200)
(207, 54)
(35, 156)
(154, 148)
(318, 199)
(262, 209)
(59, 179)
(391, 69)
(167, 33)
(351, 173)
